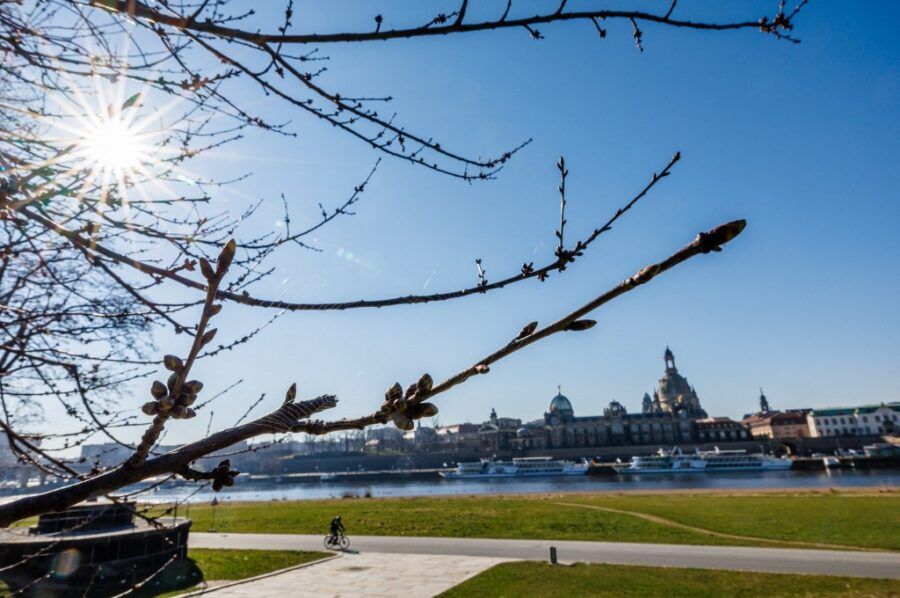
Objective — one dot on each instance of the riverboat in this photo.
(518, 467)
(675, 461)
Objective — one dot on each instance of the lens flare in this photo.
(112, 145)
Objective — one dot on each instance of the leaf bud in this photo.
(226, 256)
(158, 389)
(394, 392)
(206, 269)
(579, 325)
(194, 386)
(173, 363)
(166, 403)
(150, 408)
(208, 336)
(424, 384)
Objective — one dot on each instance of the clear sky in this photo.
(801, 140)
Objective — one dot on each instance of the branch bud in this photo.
(482, 369)
(150, 408)
(206, 269)
(424, 384)
(207, 338)
(291, 394)
(226, 256)
(173, 363)
(527, 330)
(158, 389)
(194, 386)
(393, 393)
(579, 325)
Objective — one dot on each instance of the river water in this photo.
(273, 489)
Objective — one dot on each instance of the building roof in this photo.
(862, 409)
(561, 404)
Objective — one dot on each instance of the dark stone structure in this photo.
(97, 549)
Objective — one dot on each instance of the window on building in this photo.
(843, 421)
(865, 419)
(878, 419)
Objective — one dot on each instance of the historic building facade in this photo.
(666, 418)
(777, 425)
(867, 420)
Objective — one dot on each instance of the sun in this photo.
(111, 144)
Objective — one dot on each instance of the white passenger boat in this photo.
(520, 467)
(675, 461)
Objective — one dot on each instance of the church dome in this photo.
(560, 404)
(523, 432)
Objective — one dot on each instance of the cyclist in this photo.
(337, 528)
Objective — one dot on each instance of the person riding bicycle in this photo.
(337, 528)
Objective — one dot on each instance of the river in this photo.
(272, 489)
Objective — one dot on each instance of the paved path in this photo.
(366, 575)
(738, 558)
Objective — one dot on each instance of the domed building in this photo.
(674, 394)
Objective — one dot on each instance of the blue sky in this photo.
(801, 140)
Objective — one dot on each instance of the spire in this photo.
(763, 401)
(669, 358)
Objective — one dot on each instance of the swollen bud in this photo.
(172, 381)
(402, 421)
(410, 390)
(226, 256)
(179, 412)
(150, 408)
(579, 325)
(291, 394)
(206, 269)
(158, 390)
(193, 386)
(424, 384)
(482, 369)
(394, 392)
(173, 363)
(207, 338)
(166, 403)
(423, 410)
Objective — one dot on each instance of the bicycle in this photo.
(338, 542)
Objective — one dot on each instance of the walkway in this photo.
(367, 575)
(737, 558)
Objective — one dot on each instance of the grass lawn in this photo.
(542, 579)
(850, 519)
(206, 565)
(833, 518)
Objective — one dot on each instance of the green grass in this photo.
(241, 564)
(204, 564)
(542, 579)
(849, 519)
(833, 518)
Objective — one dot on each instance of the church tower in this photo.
(763, 402)
(675, 394)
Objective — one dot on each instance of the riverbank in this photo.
(850, 519)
